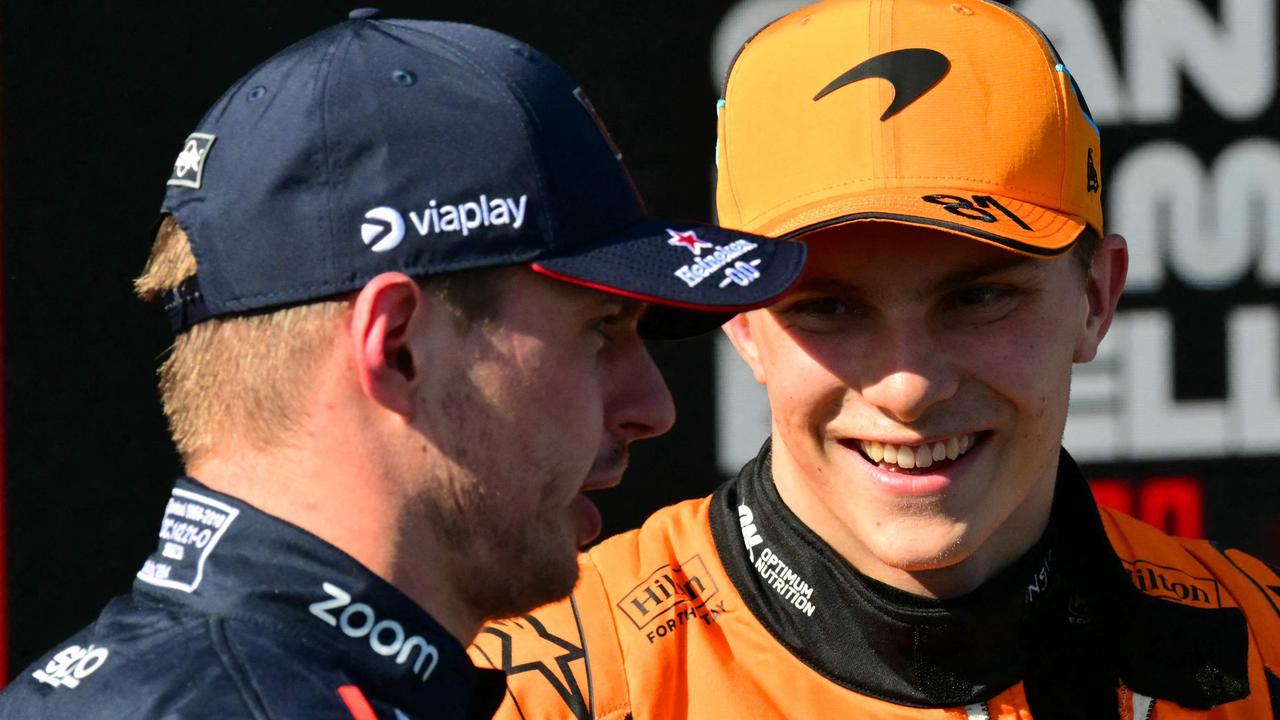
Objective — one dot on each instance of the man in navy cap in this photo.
(409, 278)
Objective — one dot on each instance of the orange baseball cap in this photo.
(959, 116)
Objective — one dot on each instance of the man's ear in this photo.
(388, 314)
(739, 331)
(1106, 281)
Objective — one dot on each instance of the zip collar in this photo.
(1064, 618)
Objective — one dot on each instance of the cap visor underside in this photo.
(696, 276)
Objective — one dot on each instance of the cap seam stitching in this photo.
(724, 148)
(1038, 40)
(884, 136)
(324, 75)
(191, 205)
(724, 116)
(458, 52)
(524, 109)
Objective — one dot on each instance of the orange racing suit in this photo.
(729, 607)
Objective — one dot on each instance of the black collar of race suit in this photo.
(1064, 618)
(223, 557)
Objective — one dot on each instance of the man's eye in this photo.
(983, 304)
(818, 307)
(980, 296)
(608, 325)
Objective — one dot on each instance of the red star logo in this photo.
(688, 239)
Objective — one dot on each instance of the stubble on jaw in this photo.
(503, 556)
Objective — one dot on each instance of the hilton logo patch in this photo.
(1173, 584)
(668, 587)
(188, 169)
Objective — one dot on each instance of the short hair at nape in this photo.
(246, 377)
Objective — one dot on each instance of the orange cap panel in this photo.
(802, 142)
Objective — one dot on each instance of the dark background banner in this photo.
(1179, 420)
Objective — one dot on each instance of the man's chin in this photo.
(921, 548)
(525, 586)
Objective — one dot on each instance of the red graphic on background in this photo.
(1175, 504)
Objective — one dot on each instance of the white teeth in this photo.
(924, 457)
(906, 457)
(909, 457)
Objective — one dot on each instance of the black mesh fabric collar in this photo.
(1064, 618)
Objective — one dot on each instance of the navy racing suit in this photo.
(241, 615)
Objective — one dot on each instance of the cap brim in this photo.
(996, 219)
(695, 276)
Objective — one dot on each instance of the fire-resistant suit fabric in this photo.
(729, 606)
(240, 615)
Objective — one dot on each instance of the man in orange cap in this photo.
(912, 541)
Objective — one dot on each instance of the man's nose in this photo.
(908, 374)
(640, 404)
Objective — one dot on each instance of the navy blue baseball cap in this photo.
(426, 148)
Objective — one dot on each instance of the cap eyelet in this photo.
(256, 94)
(403, 77)
(961, 9)
(523, 52)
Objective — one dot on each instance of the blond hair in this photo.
(243, 377)
(247, 376)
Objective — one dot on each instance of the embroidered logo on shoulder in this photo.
(1173, 584)
(685, 588)
(192, 526)
(188, 169)
(386, 637)
(559, 660)
(71, 666)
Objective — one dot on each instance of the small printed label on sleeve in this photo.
(71, 666)
(191, 528)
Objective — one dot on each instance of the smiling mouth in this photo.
(932, 456)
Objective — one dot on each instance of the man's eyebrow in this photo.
(626, 307)
(962, 276)
(819, 282)
(980, 271)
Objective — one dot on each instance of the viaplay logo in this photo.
(383, 229)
